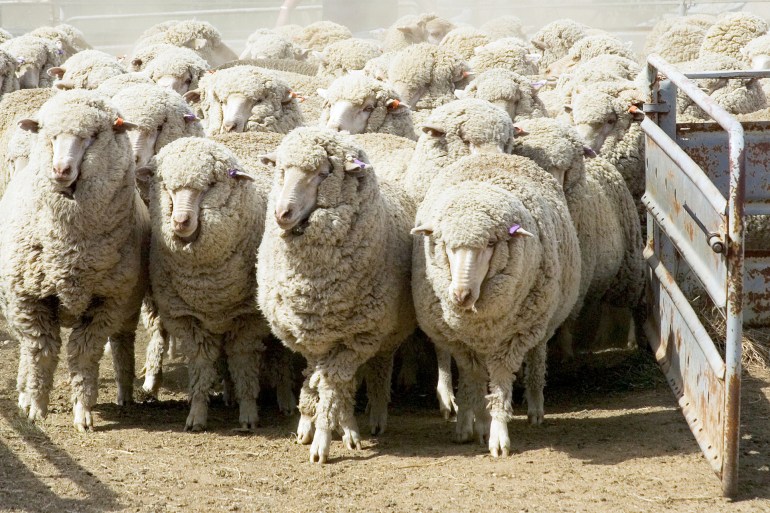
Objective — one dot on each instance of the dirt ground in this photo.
(614, 441)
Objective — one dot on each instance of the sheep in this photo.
(358, 104)
(555, 39)
(14, 107)
(156, 29)
(338, 241)
(72, 252)
(510, 53)
(455, 130)
(731, 32)
(321, 34)
(586, 49)
(284, 65)
(268, 44)
(9, 82)
(86, 70)
(178, 69)
(495, 272)
(200, 36)
(290, 30)
(75, 38)
(757, 52)
(656, 38)
(67, 39)
(601, 208)
(464, 41)
(207, 219)
(243, 98)
(604, 68)
(5, 35)
(34, 56)
(512, 92)
(143, 55)
(389, 154)
(113, 85)
(248, 147)
(681, 43)
(339, 58)
(413, 29)
(425, 75)
(737, 96)
(503, 26)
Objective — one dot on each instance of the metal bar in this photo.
(686, 311)
(686, 164)
(188, 13)
(729, 74)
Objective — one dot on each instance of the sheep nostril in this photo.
(229, 127)
(62, 172)
(284, 215)
(461, 295)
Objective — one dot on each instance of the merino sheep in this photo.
(114, 85)
(680, 43)
(9, 82)
(75, 38)
(731, 32)
(143, 55)
(510, 53)
(72, 252)
(268, 44)
(62, 41)
(512, 92)
(656, 38)
(495, 273)
(347, 55)
(464, 41)
(757, 52)
(178, 69)
(86, 70)
(389, 154)
(358, 104)
(604, 68)
(338, 241)
(243, 98)
(586, 49)
(34, 56)
(200, 36)
(207, 219)
(321, 34)
(413, 29)
(555, 39)
(503, 26)
(602, 209)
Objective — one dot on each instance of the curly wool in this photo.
(144, 54)
(555, 39)
(363, 92)
(604, 68)
(200, 36)
(114, 85)
(248, 147)
(88, 69)
(275, 111)
(588, 48)
(5, 35)
(268, 44)
(464, 41)
(412, 29)
(351, 262)
(58, 38)
(180, 63)
(655, 37)
(681, 43)
(87, 252)
(10, 82)
(389, 154)
(346, 55)
(321, 34)
(453, 129)
(530, 288)
(306, 87)
(510, 53)
(424, 75)
(508, 90)
(503, 26)
(731, 32)
(34, 52)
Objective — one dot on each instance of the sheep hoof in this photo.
(378, 421)
(352, 439)
(499, 442)
(195, 428)
(36, 412)
(151, 384)
(319, 450)
(464, 427)
(125, 397)
(446, 402)
(535, 419)
(305, 430)
(83, 420)
(249, 416)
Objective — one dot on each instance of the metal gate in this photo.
(701, 179)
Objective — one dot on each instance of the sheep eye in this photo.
(611, 121)
(491, 243)
(188, 81)
(368, 109)
(160, 127)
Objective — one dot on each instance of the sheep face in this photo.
(179, 83)
(143, 143)
(28, 75)
(345, 116)
(760, 62)
(298, 197)
(598, 115)
(236, 111)
(436, 29)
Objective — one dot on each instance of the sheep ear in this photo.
(145, 173)
(196, 44)
(193, 96)
(422, 229)
(136, 64)
(534, 58)
(538, 44)
(410, 30)
(64, 85)
(568, 109)
(636, 112)
(268, 159)
(354, 165)
(396, 106)
(30, 125)
(190, 118)
(239, 175)
(536, 86)
(301, 54)
(121, 126)
(588, 152)
(320, 56)
(517, 231)
(519, 132)
(323, 93)
(461, 72)
(433, 130)
(56, 72)
(460, 94)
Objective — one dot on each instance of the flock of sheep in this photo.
(335, 194)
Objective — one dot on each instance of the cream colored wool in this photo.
(248, 147)
(503, 26)
(731, 32)
(604, 68)
(204, 289)
(555, 39)
(9, 82)
(76, 262)
(389, 154)
(510, 53)
(586, 49)
(454, 131)
(275, 110)
(464, 41)
(528, 292)
(414, 29)
(5, 35)
(339, 292)
(75, 37)
(655, 38)
(365, 93)
(114, 85)
(268, 44)
(87, 70)
(34, 56)
(321, 34)
(512, 92)
(681, 43)
(311, 103)
(346, 55)
(200, 36)
(143, 55)
(65, 38)
(291, 31)
(182, 64)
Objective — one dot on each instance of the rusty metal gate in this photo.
(703, 181)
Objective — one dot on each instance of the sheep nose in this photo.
(62, 172)
(461, 295)
(229, 126)
(284, 215)
(182, 220)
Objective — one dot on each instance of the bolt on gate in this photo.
(705, 182)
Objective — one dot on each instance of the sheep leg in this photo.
(153, 363)
(501, 377)
(378, 372)
(407, 375)
(534, 383)
(201, 357)
(34, 324)
(444, 390)
(308, 400)
(470, 398)
(284, 387)
(223, 373)
(123, 361)
(244, 351)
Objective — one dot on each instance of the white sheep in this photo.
(464, 41)
(34, 56)
(503, 26)
(512, 92)
(509, 53)
(268, 44)
(358, 104)
(731, 32)
(66, 38)
(207, 220)
(555, 39)
(413, 29)
(114, 85)
(200, 36)
(586, 49)
(72, 252)
(321, 34)
(86, 70)
(143, 55)
(495, 273)
(178, 69)
(333, 278)
(9, 82)
(346, 55)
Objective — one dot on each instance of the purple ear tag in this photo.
(190, 117)
(360, 163)
(59, 52)
(20, 60)
(538, 84)
(233, 173)
(513, 229)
